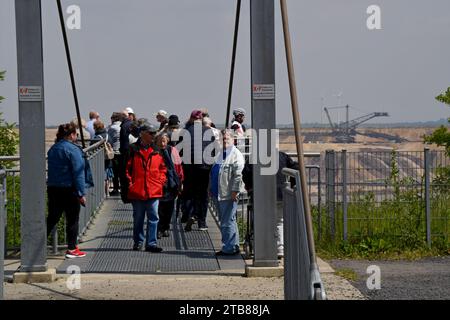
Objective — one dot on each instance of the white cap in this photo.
(239, 111)
(129, 110)
(161, 113)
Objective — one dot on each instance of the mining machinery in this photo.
(345, 131)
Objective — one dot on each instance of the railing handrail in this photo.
(87, 149)
(290, 172)
(94, 146)
(299, 265)
(305, 154)
(9, 158)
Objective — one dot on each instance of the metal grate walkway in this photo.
(112, 252)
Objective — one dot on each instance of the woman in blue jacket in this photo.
(66, 185)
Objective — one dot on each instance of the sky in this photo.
(176, 55)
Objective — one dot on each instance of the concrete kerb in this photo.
(251, 271)
(35, 277)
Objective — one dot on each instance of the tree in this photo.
(2, 77)
(445, 97)
(441, 136)
(9, 138)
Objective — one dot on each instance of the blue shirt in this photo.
(215, 170)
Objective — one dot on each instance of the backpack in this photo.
(173, 184)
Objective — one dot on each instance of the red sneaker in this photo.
(76, 253)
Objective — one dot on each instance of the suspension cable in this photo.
(72, 78)
(297, 126)
(233, 62)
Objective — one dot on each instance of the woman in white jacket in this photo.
(224, 186)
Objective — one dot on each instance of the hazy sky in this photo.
(175, 55)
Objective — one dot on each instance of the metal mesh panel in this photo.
(396, 194)
(190, 251)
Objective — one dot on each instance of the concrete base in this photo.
(35, 277)
(266, 272)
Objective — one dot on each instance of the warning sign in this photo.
(30, 93)
(263, 91)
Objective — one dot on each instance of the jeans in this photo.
(228, 225)
(140, 209)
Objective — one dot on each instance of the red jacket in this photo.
(146, 173)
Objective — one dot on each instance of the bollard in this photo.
(55, 239)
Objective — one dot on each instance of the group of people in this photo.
(148, 172)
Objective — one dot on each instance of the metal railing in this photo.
(391, 195)
(94, 199)
(301, 273)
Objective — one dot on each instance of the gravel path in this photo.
(412, 280)
(160, 287)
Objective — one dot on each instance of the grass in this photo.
(333, 252)
(347, 273)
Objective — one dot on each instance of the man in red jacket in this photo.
(146, 175)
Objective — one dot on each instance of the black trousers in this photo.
(200, 189)
(165, 212)
(122, 160)
(116, 171)
(64, 200)
(186, 199)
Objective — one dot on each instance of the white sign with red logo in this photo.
(30, 93)
(263, 91)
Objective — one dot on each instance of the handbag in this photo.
(109, 151)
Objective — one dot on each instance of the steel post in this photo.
(319, 205)
(344, 193)
(32, 135)
(263, 117)
(427, 194)
(330, 195)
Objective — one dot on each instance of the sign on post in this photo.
(263, 92)
(30, 93)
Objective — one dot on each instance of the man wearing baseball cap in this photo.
(161, 117)
(146, 176)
